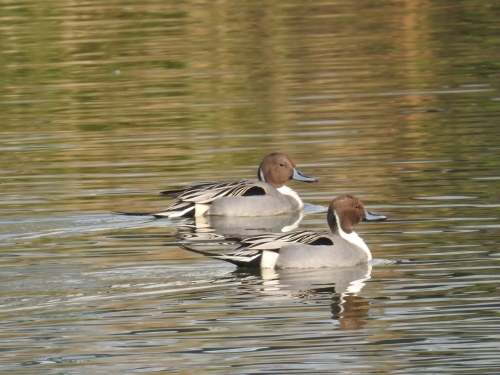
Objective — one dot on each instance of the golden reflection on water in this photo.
(146, 96)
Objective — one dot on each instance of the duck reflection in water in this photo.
(248, 226)
(341, 285)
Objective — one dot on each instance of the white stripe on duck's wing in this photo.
(233, 258)
(275, 240)
(252, 258)
(306, 237)
(245, 252)
(207, 193)
(251, 242)
(176, 210)
(243, 258)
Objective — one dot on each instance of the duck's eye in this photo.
(282, 165)
(356, 207)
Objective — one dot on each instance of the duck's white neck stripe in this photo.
(294, 225)
(285, 190)
(353, 238)
(356, 285)
(261, 175)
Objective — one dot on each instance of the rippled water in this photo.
(104, 104)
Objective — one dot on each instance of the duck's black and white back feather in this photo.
(252, 249)
(207, 193)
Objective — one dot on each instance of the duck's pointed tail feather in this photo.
(134, 213)
(230, 258)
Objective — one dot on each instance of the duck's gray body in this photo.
(341, 254)
(270, 202)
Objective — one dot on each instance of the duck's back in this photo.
(341, 254)
(271, 203)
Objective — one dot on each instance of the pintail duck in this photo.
(307, 249)
(267, 196)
